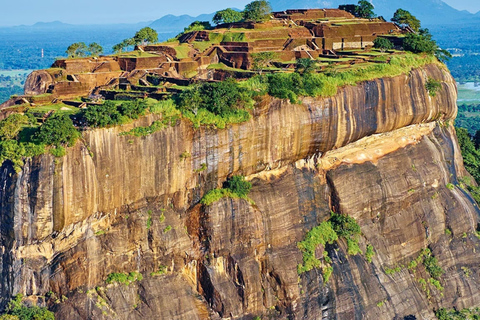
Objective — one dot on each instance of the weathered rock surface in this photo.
(123, 204)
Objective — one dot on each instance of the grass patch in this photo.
(161, 271)
(124, 278)
(234, 37)
(235, 187)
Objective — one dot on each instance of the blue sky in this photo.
(19, 12)
(469, 5)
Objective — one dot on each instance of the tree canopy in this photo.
(305, 65)
(257, 11)
(382, 44)
(119, 47)
(365, 10)
(57, 130)
(227, 16)
(77, 49)
(145, 35)
(405, 18)
(263, 59)
(80, 49)
(95, 49)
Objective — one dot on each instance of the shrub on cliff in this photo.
(238, 185)
(133, 109)
(422, 42)
(220, 98)
(57, 130)
(234, 187)
(11, 126)
(433, 86)
(18, 310)
(100, 116)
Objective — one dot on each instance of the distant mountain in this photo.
(171, 23)
(430, 12)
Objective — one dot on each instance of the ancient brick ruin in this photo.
(211, 55)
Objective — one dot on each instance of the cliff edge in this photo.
(115, 228)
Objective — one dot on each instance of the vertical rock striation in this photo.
(382, 152)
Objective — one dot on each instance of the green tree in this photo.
(145, 35)
(77, 49)
(95, 49)
(257, 11)
(262, 60)
(238, 185)
(365, 10)
(420, 42)
(405, 18)
(382, 44)
(100, 116)
(227, 16)
(57, 130)
(197, 26)
(122, 46)
(11, 126)
(305, 65)
(17, 309)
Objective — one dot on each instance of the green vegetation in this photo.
(227, 16)
(161, 271)
(338, 226)
(12, 125)
(167, 229)
(109, 114)
(406, 19)
(257, 11)
(234, 37)
(364, 10)
(433, 86)
(124, 278)
(305, 65)
(57, 130)
(320, 235)
(80, 49)
(369, 253)
(16, 310)
(431, 265)
(292, 85)
(453, 314)
(262, 60)
(238, 185)
(471, 160)
(143, 36)
(382, 44)
(422, 42)
(450, 186)
(149, 219)
(235, 187)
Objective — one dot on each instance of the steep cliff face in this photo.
(382, 152)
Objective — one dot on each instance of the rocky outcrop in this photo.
(382, 152)
(38, 82)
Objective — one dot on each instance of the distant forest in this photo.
(462, 42)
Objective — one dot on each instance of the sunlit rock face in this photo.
(383, 152)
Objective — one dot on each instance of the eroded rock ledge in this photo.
(122, 204)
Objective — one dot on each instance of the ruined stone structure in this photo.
(291, 35)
